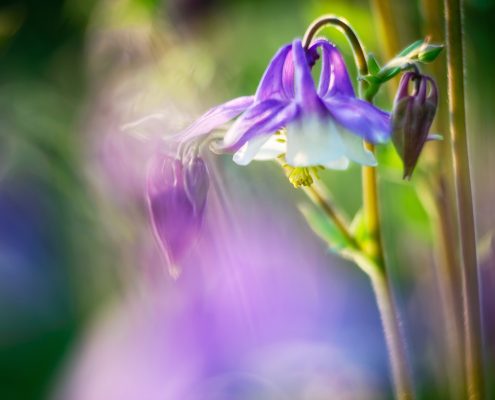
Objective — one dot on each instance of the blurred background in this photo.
(262, 309)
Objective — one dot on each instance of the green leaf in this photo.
(358, 227)
(373, 66)
(324, 228)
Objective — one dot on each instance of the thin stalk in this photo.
(388, 312)
(442, 214)
(373, 247)
(436, 203)
(318, 197)
(469, 272)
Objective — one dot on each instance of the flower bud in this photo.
(412, 117)
(176, 193)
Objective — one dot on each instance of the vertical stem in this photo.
(436, 202)
(373, 246)
(385, 301)
(469, 274)
(443, 216)
(388, 312)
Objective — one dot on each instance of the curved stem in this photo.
(372, 261)
(469, 272)
(345, 27)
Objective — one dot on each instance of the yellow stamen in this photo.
(301, 176)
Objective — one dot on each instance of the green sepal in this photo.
(411, 49)
(373, 66)
(420, 51)
(429, 53)
(324, 228)
(388, 73)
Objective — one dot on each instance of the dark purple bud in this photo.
(415, 106)
(176, 193)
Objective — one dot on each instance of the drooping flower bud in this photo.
(176, 193)
(412, 117)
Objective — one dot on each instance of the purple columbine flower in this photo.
(412, 117)
(288, 116)
(176, 192)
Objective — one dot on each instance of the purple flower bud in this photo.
(176, 193)
(412, 117)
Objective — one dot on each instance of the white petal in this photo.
(341, 164)
(249, 150)
(354, 149)
(312, 142)
(275, 146)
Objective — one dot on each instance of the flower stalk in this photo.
(371, 258)
(458, 132)
(319, 198)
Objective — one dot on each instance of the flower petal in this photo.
(304, 86)
(272, 82)
(360, 117)
(262, 118)
(273, 147)
(260, 148)
(216, 117)
(354, 149)
(340, 164)
(334, 78)
(313, 141)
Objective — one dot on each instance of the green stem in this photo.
(318, 196)
(442, 213)
(373, 261)
(469, 274)
(343, 26)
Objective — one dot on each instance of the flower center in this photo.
(300, 176)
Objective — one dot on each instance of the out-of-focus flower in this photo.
(244, 321)
(288, 117)
(412, 118)
(176, 191)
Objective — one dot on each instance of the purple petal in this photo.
(403, 90)
(216, 117)
(288, 75)
(304, 86)
(360, 117)
(262, 118)
(334, 78)
(272, 82)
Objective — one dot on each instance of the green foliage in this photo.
(421, 51)
(358, 227)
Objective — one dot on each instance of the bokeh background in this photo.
(262, 310)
